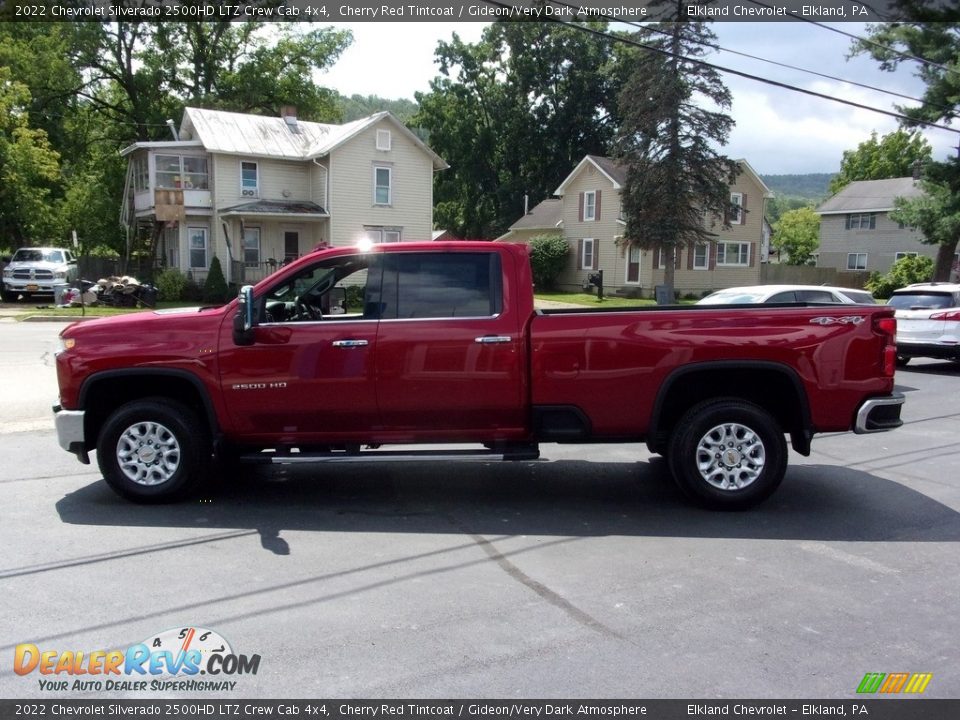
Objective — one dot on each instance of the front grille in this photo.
(27, 274)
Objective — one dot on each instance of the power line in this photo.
(868, 41)
(739, 73)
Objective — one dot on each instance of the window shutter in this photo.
(753, 256)
(580, 242)
(690, 253)
(743, 207)
(846, 225)
(711, 257)
(596, 246)
(580, 211)
(677, 256)
(596, 210)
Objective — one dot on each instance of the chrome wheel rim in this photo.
(148, 453)
(730, 456)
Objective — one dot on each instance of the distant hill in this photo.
(361, 106)
(812, 186)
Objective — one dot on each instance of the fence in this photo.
(776, 274)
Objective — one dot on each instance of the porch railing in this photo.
(245, 273)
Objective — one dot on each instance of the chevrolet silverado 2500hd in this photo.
(436, 343)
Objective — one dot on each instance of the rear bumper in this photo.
(69, 425)
(946, 351)
(879, 414)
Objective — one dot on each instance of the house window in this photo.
(383, 139)
(251, 246)
(141, 174)
(382, 185)
(736, 208)
(590, 205)
(701, 256)
(168, 171)
(198, 247)
(249, 179)
(901, 255)
(587, 254)
(382, 234)
(733, 254)
(862, 221)
(856, 261)
(176, 171)
(659, 259)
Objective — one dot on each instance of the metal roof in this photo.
(870, 196)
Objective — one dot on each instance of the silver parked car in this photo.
(928, 321)
(38, 270)
(788, 294)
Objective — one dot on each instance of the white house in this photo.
(259, 191)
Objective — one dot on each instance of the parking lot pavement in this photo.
(583, 575)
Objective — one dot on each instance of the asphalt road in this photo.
(582, 575)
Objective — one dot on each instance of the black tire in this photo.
(903, 360)
(745, 472)
(9, 297)
(133, 466)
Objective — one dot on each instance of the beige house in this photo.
(856, 232)
(587, 213)
(260, 191)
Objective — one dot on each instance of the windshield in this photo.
(922, 301)
(27, 255)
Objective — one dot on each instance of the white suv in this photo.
(928, 321)
(38, 270)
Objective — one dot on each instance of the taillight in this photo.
(887, 326)
(946, 315)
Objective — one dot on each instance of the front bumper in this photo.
(47, 287)
(69, 425)
(879, 414)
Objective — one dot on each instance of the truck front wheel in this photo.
(152, 450)
(728, 454)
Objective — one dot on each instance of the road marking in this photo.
(848, 558)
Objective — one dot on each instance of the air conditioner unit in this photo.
(248, 193)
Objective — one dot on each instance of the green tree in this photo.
(905, 271)
(513, 114)
(897, 154)
(548, 257)
(928, 29)
(796, 236)
(215, 286)
(29, 170)
(667, 139)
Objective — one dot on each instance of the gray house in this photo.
(856, 232)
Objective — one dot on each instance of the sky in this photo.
(777, 131)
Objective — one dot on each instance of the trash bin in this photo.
(58, 291)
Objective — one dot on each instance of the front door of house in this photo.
(633, 264)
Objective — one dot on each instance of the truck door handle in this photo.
(493, 339)
(349, 343)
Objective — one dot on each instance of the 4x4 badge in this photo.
(845, 320)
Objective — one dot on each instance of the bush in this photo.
(548, 258)
(171, 284)
(215, 287)
(905, 271)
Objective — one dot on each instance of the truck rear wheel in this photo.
(728, 454)
(153, 450)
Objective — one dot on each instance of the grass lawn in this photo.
(589, 300)
(70, 313)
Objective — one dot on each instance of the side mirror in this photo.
(244, 321)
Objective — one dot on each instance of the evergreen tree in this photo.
(677, 182)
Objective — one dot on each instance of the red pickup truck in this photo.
(348, 351)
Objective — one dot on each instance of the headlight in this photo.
(60, 274)
(8, 272)
(65, 344)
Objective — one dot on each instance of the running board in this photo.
(521, 453)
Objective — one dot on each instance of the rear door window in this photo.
(922, 301)
(447, 285)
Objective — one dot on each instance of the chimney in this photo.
(289, 115)
(526, 204)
